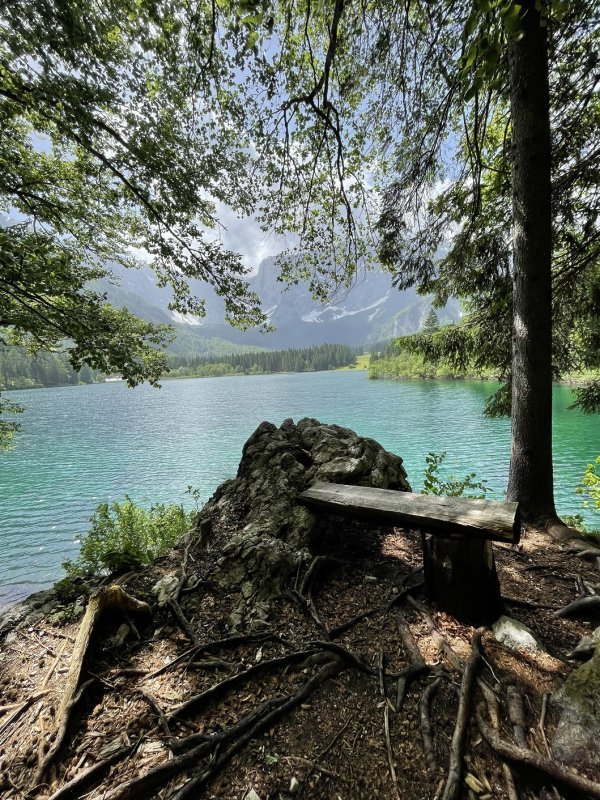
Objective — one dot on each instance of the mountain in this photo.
(370, 310)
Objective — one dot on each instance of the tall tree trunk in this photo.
(530, 478)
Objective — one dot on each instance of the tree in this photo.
(431, 323)
(110, 143)
(443, 88)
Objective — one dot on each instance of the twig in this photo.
(459, 739)
(528, 758)
(542, 724)
(390, 751)
(426, 728)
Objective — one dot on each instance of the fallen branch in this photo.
(528, 758)
(459, 739)
(426, 727)
(112, 598)
(20, 708)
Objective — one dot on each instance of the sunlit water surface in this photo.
(83, 445)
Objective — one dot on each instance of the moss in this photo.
(582, 687)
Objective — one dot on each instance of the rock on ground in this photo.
(275, 533)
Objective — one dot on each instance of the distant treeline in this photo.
(18, 370)
(308, 359)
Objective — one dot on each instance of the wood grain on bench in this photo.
(482, 519)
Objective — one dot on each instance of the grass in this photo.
(361, 362)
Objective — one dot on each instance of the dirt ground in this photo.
(343, 737)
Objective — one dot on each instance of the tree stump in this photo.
(461, 578)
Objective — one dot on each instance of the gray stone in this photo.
(577, 734)
(275, 534)
(514, 634)
(166, 588)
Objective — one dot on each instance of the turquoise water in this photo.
(83, 445)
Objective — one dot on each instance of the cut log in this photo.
(473, 518)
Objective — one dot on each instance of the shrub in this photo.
(126, 536)
(451, 486)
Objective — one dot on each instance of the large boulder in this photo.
(272, 532)
(577, 734)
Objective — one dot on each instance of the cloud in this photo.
(246, 237)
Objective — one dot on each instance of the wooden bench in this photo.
(457, 535)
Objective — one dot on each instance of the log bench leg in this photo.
(461, 578)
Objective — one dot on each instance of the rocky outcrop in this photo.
(578, 731)
(274, 534)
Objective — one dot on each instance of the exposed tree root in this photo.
(75, 788)
(196, 786)
(426, 727)
(193, 704)
(417, 665)
(527, 758)
(112, 598)
(518, 601)
(183, 621)
(346, 626)
(306, 588)
(586, 607)
(308, 608)
(459, 739)
(218, 644)
(516, 714)
(494, 712)
(237, 737)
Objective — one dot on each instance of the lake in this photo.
(87, 444)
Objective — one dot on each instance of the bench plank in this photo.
(483, 519)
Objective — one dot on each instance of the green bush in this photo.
(450, 486)
(126, 536)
